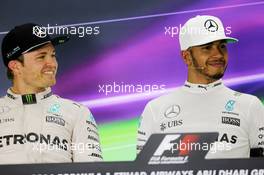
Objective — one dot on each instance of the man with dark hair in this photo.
(35, 125)
(204, 103)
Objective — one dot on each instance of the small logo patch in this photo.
(57, 120)
(54, 108)
(230, 105)
(231, 121)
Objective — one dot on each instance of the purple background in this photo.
(136, 50)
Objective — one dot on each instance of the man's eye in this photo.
(223, 46)
(207, 47)
(40, 57)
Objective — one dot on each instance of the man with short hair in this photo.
(35, 125)
(204, 103)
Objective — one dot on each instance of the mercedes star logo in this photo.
(39, 31)
(211, 25)
(172, 111)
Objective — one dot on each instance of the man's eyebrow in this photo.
(40, 53)
(211, 43)
(44, 52)
(206, 44)
(223, 41)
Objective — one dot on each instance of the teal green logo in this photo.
(55, 108)
(230, 105)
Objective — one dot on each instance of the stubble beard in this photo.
(212, 78)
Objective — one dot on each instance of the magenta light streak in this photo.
(143, 96)
(157, 15)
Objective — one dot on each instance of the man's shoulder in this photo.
(2, 100)
(70, 104)
(240, 96)
(244, 100)
(171, 95)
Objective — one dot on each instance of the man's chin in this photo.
(217, 76)
(50, 83)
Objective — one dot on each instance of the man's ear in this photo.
(15, 66)
(186, 55)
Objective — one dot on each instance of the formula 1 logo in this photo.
(174, 149)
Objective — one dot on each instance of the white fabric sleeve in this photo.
(85, 139)
(145, 129)
(256, 124)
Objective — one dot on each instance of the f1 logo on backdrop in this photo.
(174, 149)
(166, 144)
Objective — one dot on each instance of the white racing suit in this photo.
(38, 128)
(238, 117)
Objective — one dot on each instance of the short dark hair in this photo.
(9, 72)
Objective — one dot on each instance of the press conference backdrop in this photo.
(117, 44)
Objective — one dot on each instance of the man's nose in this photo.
(217, 52)
(51, 61)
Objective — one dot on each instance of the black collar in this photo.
(27, 99)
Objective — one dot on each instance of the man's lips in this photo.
(216, 63)
(49, 72)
